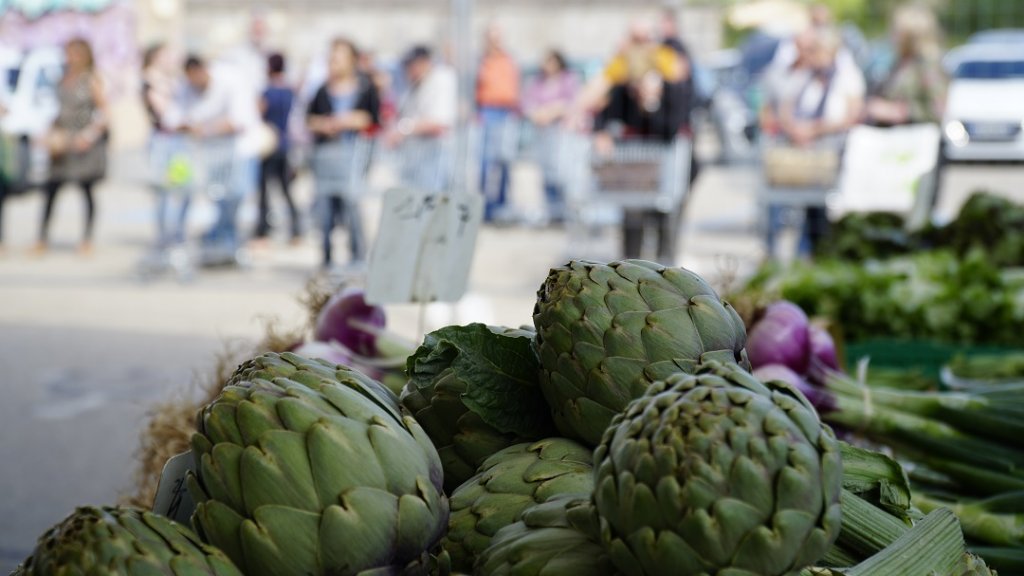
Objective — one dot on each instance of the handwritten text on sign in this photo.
(172, 497)
(425, 247)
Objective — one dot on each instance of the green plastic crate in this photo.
(923, 357)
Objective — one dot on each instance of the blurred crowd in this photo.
(252, 106)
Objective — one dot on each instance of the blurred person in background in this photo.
(646, 99)
(546, 101)
(345, 105)
(5, 151)
(426, 118)
(668, 25)
(221, 113)
(820, 105)
(382, 81)
(915, 89)
(249, 58)
(497, 98)
(77, 141)
(790, 61)
(638, 54)
(276, 107)
(159, 84)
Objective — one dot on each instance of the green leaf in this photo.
(498, 369)
(876, 478)
(934, 546)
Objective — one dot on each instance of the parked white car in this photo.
(984, 117)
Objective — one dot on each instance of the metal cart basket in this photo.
(638, 174)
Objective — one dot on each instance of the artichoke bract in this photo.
(555, 538)
(509, 482)
(606, 331)
(126, 541)
(474, 391)
(717, 473)
(308, 468)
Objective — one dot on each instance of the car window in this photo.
(990, 69)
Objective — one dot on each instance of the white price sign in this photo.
(172, 497)
(424, 248)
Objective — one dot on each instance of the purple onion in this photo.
(350, 321)
(781, 336)
(823, 348)
(820, 398)
(324, 351)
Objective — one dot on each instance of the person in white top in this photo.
(426, 118)
(825, 99)
(818, 107)
(223, 112)
(429, 106)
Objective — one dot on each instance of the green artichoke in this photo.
(554, 538)
(123, 541)
(717, 473)
(509, 482)
(308, 468)
(474, 391)
(606, 331)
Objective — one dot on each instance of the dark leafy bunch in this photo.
(987, 222)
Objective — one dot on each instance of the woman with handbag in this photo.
(77, 141)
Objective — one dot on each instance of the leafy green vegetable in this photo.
(932, 295)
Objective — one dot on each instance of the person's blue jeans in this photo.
(814, 228)
(171, 232)
(493, 169)
(555, 201)
(339, 211)
(224, 233)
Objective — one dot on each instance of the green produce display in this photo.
(474, 391)
(509, 482)
(930, 296)
(718, 473)
(307, 468)
(606, 331)
(124, 541)
(677, 458)
(556, 538)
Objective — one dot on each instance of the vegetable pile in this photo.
(623, 434)
(962, 448)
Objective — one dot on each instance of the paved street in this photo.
(86, 346)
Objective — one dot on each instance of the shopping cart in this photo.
(871, 169)
(793, 180)
(340, 168)
(182, 168)
(638, 174)
(557, 152)
(425, 163)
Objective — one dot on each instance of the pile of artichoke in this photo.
(621, 434)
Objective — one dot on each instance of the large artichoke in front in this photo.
(308, 468)
(717, 473)
(606, 331)
(124, 541)
(556, 538)
(508, 483)
(474, 391)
